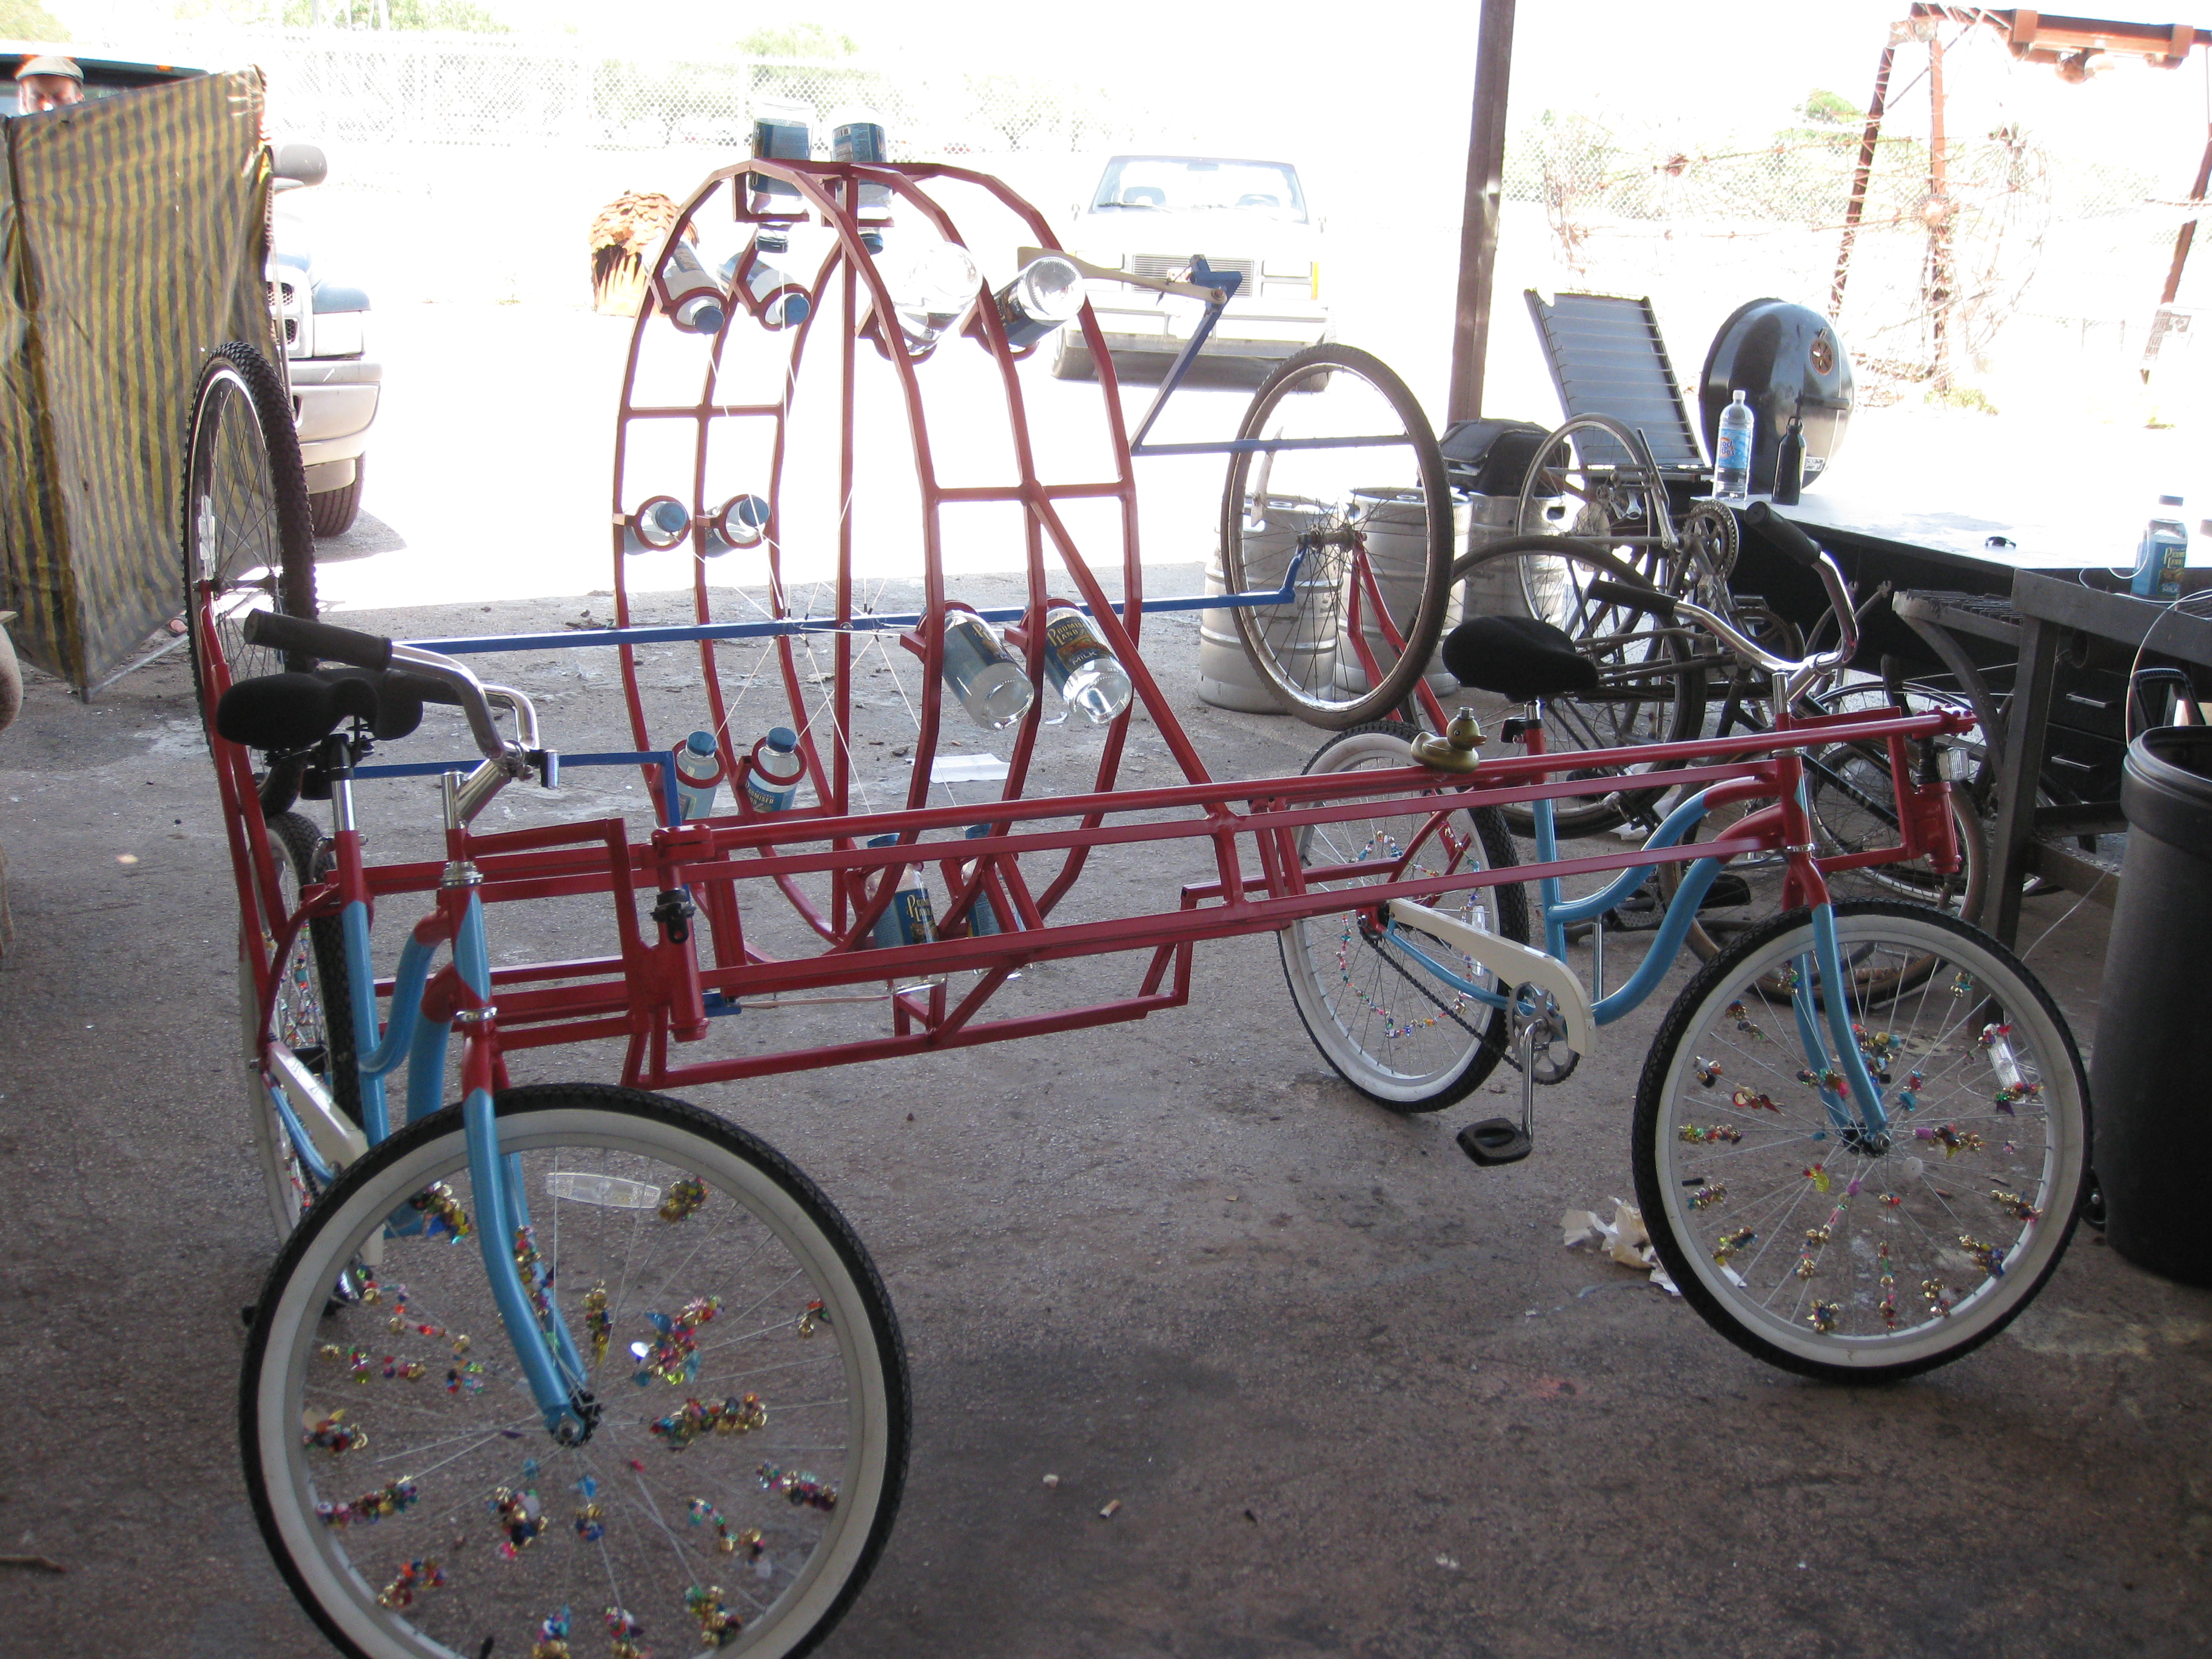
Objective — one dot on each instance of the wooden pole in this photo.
(1478, 232)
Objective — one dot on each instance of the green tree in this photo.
(809, 41)
(1831, 109)
(454, 16)
(27, 20)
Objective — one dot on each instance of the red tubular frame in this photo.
(656, 991)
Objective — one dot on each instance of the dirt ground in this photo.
(1351, 1394)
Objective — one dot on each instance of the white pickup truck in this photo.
(1149, 214)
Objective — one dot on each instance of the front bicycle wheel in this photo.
(1651, 672)
(1818, 1245)
(312, 1018)
(1394, 1031)
(1357, 486)
(248, 534)
(742, 1478)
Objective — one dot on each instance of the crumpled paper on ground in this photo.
(1623, 1238)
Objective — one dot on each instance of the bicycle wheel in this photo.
(1392, 1030)
(1589, 480)
(313, 1018)
(1852, 796)
(1369, 489)
(742, 1479)
(249, 533)
(1830, 1252)
(1651, 672)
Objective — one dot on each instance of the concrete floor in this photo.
(1353, 1395)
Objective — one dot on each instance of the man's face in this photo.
(36, 92)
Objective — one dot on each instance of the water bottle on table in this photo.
(1732, 453)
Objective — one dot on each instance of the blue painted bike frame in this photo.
(543, 1346)
(1560, 913)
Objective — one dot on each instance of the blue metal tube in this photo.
(413, 974)
(496, 1228)
(873, 623)
(426, 1068)
(1679, 823)
(361, 991)
(1674, 928)
(1848, 1054)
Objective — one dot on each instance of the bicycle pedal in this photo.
(1495, 1141)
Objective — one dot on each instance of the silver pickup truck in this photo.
(1149, 214)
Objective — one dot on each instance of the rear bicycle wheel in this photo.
(1651, 672)
(1362, 486)
(1818, 1247)
(1390, 1028)
(745, 1472)
(313, 1017)
(248, 537)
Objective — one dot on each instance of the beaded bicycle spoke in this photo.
(712, 1483)
(1802, 1221)
(1367, 986)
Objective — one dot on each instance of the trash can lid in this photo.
(2165, 787)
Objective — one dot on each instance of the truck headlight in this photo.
(341, 333)
(1287, 277)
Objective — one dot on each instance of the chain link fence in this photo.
(478, 161)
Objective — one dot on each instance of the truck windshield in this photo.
(1182, 184)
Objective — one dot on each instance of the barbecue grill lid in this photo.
(1786, 360)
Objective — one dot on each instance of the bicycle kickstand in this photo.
(1493, 1140)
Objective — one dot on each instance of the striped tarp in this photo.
(134, 231)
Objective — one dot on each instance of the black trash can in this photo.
(2151, 1072)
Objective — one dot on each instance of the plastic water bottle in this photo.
(908, 919)
(781, 301)
(1046, 292)
(982, 917)
(1087, 675)
(698, 776)
(772, 780)
(932, 284)
(983, 673)
(693, 301)
(2162, 553)
(1732, 454)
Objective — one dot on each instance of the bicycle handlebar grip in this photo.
(1793, 542)
(1631, 599)
(344, 644)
